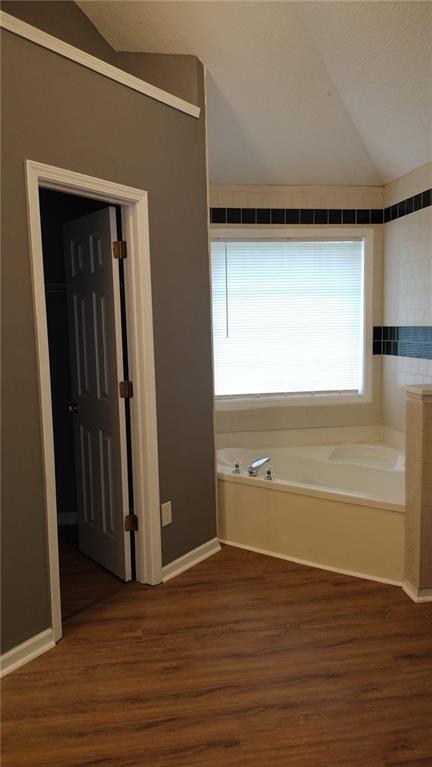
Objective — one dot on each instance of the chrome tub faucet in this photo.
(257, 465)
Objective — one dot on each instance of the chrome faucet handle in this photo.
(236, 469)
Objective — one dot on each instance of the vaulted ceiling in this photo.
(298, 92)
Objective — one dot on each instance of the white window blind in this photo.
(287, 317)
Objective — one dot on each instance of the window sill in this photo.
(291, 400)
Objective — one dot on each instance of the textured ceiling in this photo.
(298, 92)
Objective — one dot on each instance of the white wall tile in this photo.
(409, 185)
(407, 298)
(227, 196)
(408, 270)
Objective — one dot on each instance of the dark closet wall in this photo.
(57, 112)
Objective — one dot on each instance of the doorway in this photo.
(91, 425)
(103, 485)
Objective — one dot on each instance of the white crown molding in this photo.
(45, 40)
(27, 651)
(190, 559)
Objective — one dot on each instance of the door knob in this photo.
(73, 407)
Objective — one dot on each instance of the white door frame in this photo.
(140, 356)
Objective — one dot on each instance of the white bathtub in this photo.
(339, 507)
(373, 472)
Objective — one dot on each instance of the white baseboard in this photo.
(316, 565)
(190, 559)
(67, 518)
(417, 595)
(26, 651)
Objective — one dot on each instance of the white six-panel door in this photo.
(94, 314)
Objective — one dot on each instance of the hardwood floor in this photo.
(83, 583)
(243, 661)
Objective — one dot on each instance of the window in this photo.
(288, 318)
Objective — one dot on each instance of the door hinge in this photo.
(126, 389)
(131, 523)
(119, 248)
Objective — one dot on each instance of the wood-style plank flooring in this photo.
(242, 661)
(83, 583)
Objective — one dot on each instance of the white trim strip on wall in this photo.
(190, 559)
(27, 651)
(45, 40)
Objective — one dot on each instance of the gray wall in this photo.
(174, 73)
(60, 113)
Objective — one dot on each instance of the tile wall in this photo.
(407, 290)
(297, 197)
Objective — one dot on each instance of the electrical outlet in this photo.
(166, 513)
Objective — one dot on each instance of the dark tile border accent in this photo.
(410, 205)
(233, 216)
(403, 341)
(321, 216)
(263, 215)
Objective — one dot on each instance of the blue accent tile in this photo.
(321, 216)
(292, 216)
(218, 215)
(363, 216)
(377, 333)
(263, 215)
(377, 216)
(409, 205)
(233, 215)
(278, 215)
(414, 341)
(335, 216)
(417, 201)
(306, 216)
(248, 216)
(348, 216)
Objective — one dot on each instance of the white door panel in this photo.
(93, 295)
